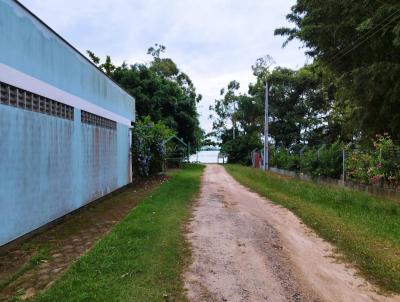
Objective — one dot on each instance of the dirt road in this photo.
(247, 249)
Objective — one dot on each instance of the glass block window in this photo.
(13, 96)
(98, 121)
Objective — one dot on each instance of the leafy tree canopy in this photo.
(359, 42)
(301, 103)
(161, 90)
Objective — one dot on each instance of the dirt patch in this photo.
(35, 264)
(247, 249)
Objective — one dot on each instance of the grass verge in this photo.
(143, 257)
(34, 261)
(364, 228)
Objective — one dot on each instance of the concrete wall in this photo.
(31, 48)
(50, 166)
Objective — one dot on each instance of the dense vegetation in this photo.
(378, 165)
(166, 106)
(350, 93)
(364, 228)
(161, 91)
(143, 256)
(149, 148)
(359, 43)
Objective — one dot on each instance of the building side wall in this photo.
(51, 161)
(31, 48)
(50, 166)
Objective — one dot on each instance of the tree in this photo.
(359, 42)
(299, 107)
(161, 91)
(226, 107)
(108, 67)
(301, 103)
(237, 123)
(95, 59)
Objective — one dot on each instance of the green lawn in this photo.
(364, 228)
(143, 257)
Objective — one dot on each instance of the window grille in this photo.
(99, 121)
(13, 96)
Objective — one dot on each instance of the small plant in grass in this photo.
(39, 257)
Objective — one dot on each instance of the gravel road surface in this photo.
(245, 248)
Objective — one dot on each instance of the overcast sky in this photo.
(213, 41)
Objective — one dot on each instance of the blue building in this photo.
(64, 126)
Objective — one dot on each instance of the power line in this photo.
(377, 28)
(369, 37)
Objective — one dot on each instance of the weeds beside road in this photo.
(143, 257)
(365, 229)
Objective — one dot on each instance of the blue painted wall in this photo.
(28, 46)
(50, 166)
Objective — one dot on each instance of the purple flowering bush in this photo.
(148, 149)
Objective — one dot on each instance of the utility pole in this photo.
(188, 152)
(266, 167)
(234, 122)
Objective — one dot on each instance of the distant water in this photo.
(206, 157)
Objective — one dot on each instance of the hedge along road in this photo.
(247, 249)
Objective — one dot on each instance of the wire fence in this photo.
(378, 165)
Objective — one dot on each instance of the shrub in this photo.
(357, 166)
(309, 162)
(378, 166)
(148, 148)
(239, 150)
(329, 163)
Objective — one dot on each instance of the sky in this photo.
(213, 41)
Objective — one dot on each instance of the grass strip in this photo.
(36, 259)
(364, 228)
(143, 257)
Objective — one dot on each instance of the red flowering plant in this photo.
(359, 165)
(378, 166)
(388, 154)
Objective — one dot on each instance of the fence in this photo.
(376, 168)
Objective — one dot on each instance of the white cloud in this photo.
(214, 41)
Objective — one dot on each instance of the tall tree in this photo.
(236, 123)
(226, 108)
(300, 104)
(161, 91)
(359, 41)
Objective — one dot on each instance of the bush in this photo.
(381, 165)
(378, 166)
(284, 159)
(148, 148)
(239, 150)
(357, 166)
(328, 164)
